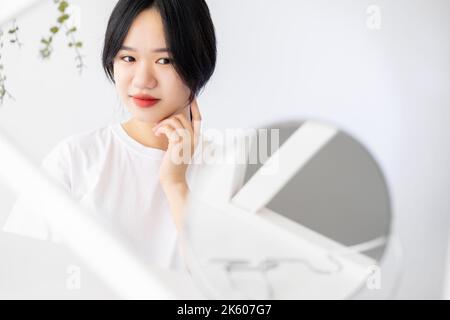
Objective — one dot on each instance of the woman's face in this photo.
(142, 67)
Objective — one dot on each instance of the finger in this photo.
(176, 112)
(196, 121)
(195, 111)
(169, 132)
(174, 122)
(185, 122)
(176, 125)
(188, 133)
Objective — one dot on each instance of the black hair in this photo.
(189, 33)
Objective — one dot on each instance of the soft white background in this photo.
(278, 60)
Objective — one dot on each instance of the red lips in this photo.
(145, 101)
(145, 97)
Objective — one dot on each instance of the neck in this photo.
(142, 132)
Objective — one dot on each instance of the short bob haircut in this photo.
(189, 33)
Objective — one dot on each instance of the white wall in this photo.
(281, 60)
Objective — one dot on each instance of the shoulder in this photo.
(79, 150)
(88, 142)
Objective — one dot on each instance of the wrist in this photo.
(176, 194)
(174, 184)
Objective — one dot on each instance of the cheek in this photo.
(122, 79)
(174, 87)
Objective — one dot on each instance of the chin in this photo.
(145, 118)
(142, 115)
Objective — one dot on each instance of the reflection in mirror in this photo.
(313, 223)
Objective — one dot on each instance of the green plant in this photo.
(3, 91)
(14, 34)
(14, 38)
(47, 50)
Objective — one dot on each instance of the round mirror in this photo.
(306, 215)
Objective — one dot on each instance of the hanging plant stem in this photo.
(3, 91)
(13, 33)
(70, 32)
(47, 50)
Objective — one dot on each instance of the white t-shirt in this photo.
(115, 177)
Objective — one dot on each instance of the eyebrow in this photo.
(156, 50)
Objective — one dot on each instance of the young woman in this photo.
(159, 54)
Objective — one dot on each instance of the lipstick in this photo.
(145, 101)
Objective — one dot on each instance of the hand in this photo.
(183, 136)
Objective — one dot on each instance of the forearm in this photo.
(177, 195)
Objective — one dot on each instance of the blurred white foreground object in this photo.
(99, 247)
(11, 8)
(239, 230)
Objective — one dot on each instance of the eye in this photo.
(124, 58)
(167, 61)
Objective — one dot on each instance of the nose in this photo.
(144, 77)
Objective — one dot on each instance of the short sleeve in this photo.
(26, 217)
